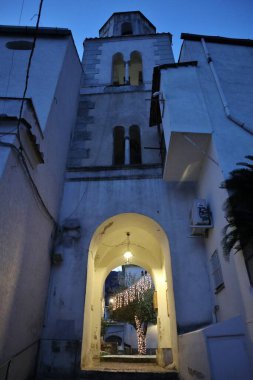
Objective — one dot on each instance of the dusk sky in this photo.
(228, 18)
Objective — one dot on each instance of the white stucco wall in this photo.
(228, 145)
(216, 352)
(210, 180)
(236, 297)
(233, 65)
(95, 201)
(45, 70)
(184, 106)
(26, 232)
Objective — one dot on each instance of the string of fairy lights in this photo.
(132, 293)
(140, 337)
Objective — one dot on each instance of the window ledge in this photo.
(123, 88)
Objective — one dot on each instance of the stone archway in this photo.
(150, 248)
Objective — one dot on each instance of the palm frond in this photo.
(238, 208)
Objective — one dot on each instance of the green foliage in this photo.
(238, 208)
(142, 308)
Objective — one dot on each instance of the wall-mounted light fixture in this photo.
(159, 95)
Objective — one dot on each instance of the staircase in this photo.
(130, 374)
(142, 368)
(124, 370)
(117, 367)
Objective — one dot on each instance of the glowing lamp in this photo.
(128, 255)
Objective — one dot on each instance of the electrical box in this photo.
(200, 217)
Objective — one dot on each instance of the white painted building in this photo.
(142, 150)
(33, 152)
(205, 108)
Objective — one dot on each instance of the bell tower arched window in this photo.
(135, 144)
(135, 69)
(126, 28)
(118, 69)
(118, 145)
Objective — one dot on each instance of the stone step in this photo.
(120, 370)
(120, 375)
(129, 358)
(129, 375)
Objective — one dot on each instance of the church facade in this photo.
(151, 142)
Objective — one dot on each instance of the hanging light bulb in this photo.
(128, 254)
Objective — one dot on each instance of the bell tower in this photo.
(115, 168)
(112, 127)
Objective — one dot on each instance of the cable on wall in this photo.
(12, 58)
(28, 73)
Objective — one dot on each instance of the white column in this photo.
(126, 72)
(127, 150)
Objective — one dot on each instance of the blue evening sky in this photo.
(228, 18)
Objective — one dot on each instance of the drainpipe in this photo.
(221, 93)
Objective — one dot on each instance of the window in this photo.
(126, 28)
(135, 69)
(119, 146)
(126, 149)
(127, 72)
(216, 272)
(118, 70)
(135, 144)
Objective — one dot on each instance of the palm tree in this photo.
(238, 233)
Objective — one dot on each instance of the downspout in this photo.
(221, 93)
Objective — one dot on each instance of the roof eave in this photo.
(31, 31)
(217, 39)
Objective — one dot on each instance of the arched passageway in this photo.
(150, 248)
